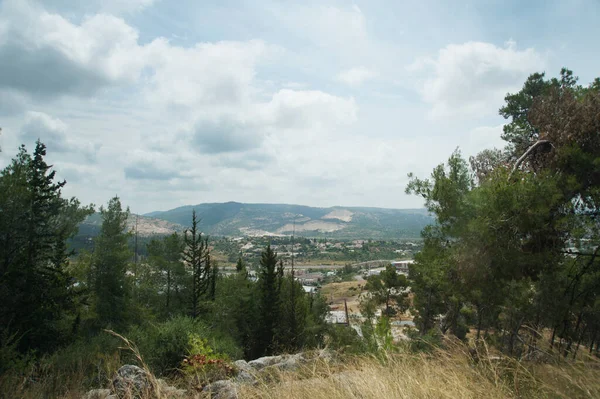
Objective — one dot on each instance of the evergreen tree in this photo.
(518, 245)
(268, 285)
(111, 258)
(36, 291)
(388, 288)
(197, 257)
(240, 266)
(167, 273)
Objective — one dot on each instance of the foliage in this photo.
(37, 298)
(163, 287)
(516, 240)
(197, 256)
(203, 363)
(109, 266)
(269, 301)
(164, 345)
(388, 288)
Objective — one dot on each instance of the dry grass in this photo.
(345, 289)
(449, 373)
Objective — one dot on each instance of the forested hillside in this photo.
(235, 219)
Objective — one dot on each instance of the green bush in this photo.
(345, 339)
(163, 346)
(204, 364)
(426, 343)
(84, 364)
(10, 357)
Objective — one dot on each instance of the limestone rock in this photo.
(246, 373)
(283, 362)
(97, 394)
(290, 362)
(131, 381)
(170, 392)
(222, 389)
(265, 361)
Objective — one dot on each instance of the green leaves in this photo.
(109, 267)
(504, 247)
(36, 292)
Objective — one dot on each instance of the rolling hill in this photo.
(146, 226)
(236, 219)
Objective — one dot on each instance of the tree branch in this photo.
(526, 154)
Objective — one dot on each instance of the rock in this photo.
(245, 377)
(325, 354)
(283, 362)
(242, 365)
(170, 392)
(290, 362)
(245, 372)
(265, 361)
(97, 394)
(222, 389)
(131, 381)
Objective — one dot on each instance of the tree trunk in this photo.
(168, 289)
(553, 335)
(525, 155)
(479, 319)
(594, 335)
(579, 342)
(568, 348)
(427, 311)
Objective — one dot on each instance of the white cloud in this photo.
(11, 102)
(153, 165)
(484, 137)
(57, 57)
(54, 133)
(117, 7)
(355, 76)
(326, 25)
(124, 6)
(303, 109)
(473, 78)
(214, 74)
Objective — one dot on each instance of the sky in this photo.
(318, 103)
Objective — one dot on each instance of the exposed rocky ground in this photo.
(134, 382)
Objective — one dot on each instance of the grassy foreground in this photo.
(444, 373)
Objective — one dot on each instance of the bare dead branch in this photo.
(526, 154)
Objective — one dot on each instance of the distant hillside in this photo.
(235, 219)
(146, 226)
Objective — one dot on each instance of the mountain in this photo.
(146, 226)
(235, 219)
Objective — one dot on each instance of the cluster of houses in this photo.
(401, 267)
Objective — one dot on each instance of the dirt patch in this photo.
(340, 214)
(335, 293)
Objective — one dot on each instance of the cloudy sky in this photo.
(318, 103)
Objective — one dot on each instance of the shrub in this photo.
(163, 346)
(426, 343)
(10, 357)
(345, 339)
(203, 364)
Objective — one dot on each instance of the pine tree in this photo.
(35, 221)
(111, 257)
(268, 285)
(167, 273)
(240, 266)
(197, 256)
